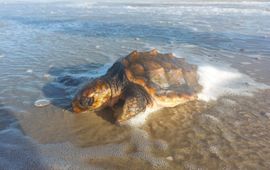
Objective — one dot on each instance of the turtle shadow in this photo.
(109, 113)
(106, 114)
(66, 81)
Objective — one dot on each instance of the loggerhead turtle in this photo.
(143, 80)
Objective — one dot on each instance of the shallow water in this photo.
(47, 50)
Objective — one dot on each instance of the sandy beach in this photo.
(49, 49)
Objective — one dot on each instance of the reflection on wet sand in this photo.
(15, 146)
(230, 133)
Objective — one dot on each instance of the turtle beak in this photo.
(76, 107)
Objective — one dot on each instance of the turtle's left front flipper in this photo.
(136, 101)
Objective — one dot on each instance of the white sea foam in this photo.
(205, 9)
(223, 81)
(29, 71)
(139, 119)
(86, 5)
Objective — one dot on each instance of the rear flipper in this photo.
(136, 101)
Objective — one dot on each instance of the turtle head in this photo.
(92, 96)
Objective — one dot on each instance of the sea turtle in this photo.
(143, 80)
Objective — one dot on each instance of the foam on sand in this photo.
(22, 152)
(139, 119)
(138, 139)
(218, 81)
(67, 156)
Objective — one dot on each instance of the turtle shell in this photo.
(161, 74)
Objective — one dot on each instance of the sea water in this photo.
(49, 49)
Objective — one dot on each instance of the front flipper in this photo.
(136, 101)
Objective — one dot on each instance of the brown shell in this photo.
(161, 74)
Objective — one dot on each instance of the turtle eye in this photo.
(90, 101)
(86, 101)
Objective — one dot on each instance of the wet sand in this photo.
(49, 50)
(230, 133)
